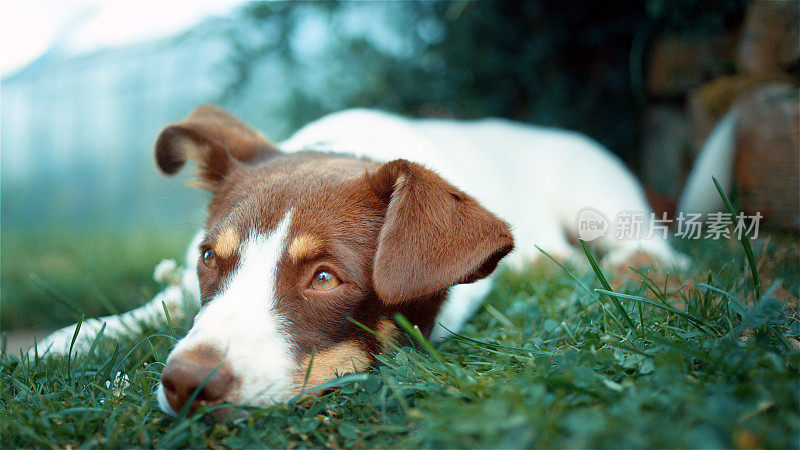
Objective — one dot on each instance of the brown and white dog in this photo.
(338, 222)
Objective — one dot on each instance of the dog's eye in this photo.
(209, 259)
(324, 281)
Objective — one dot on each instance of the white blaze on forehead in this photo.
(241, 323)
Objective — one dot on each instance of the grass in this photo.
(50, 277)
(549, 361)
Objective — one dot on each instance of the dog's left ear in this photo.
(212, 138)
(433, 236)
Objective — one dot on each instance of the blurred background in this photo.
(85, 88)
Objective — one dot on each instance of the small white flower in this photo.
(121, 381)
(166, 271)
(117, 387)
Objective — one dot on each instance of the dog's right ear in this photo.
(212, 138)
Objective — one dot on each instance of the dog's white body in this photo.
(537, 179)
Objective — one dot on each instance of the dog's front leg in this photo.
(175, 298)
(186, 293)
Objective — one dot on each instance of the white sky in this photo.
(29, 28)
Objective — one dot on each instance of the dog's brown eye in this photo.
(324, 280)
(209, 259)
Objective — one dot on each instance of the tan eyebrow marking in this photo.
(227, 242)
(304, 246)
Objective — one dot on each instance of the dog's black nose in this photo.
(185, 373)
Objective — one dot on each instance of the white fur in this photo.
(463, 301)
(241, 323)
(163, 403)
(715, 158)
(537, 179)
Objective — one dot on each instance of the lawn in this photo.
(697, 361)
(51, 276)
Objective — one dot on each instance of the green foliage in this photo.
(548, 362)
(699, 17)
(550, 63)
(576, 65)
(52, 276)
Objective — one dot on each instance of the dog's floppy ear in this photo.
(212, 138)
(433, 236)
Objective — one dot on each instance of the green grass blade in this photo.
(372, 332)
(737, 306)
(93, 346)
(169, 319)
(748, 250)
(566, 271)
(35, 350)
(106, 368)
(83, 409)
(492, 346)
(583, 286)
(56, 295)
(72, 344)
(351, 378)
(415, 334)
(607, 286)
(144, 340)
(699, 323)
(310, 364)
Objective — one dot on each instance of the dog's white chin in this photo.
(163, 404)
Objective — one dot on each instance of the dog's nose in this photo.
(186, 372)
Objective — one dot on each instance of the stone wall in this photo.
(692, 81)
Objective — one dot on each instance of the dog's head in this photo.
(299, 246)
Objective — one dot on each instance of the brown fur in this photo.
(214, 140)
